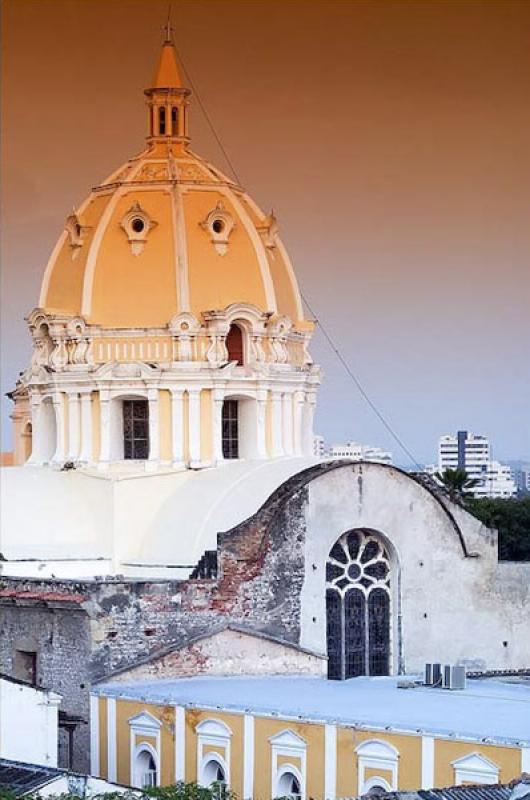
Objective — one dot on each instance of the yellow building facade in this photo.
(170, 330)
(260, 753)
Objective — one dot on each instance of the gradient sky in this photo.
(392, 139)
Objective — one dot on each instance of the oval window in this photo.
(218, 226)
(138, 225)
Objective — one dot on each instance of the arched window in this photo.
(145, 769)
(288, 785)
(214, 775)
(162, 121)
(174, 121)
(230, 429)
(135, 429)
(358, 606)
(234, 344)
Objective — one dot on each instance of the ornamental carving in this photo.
(219, 225)
(137, 225)
(76, 233)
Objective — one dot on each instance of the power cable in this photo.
(357, 383)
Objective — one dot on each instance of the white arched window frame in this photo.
(282, 773)
(375, 754)
(144, 725)
(288, 744)
(212, 733)
(475, 768)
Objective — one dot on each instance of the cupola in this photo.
(167, 98)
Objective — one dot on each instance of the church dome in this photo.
(168, 233)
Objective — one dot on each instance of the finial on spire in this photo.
(168, 30)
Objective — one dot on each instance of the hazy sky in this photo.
(391, 138)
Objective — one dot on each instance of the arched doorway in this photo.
(234, 344)
(358, 606)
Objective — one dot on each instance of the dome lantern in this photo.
(167, 98)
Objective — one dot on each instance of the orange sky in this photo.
(392, 139)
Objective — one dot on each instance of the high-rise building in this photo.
(472, 453)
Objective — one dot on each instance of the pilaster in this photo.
(74, 424)
(154, 431)
(177, 427)
(194, 421)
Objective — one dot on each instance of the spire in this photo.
(167, 74)
(167, 95)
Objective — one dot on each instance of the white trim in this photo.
(94, 735)
(213, 732)
(525, 759)
(111, 739)
(376, 781)
(181, 249)
(180, 743)
(475, 768)
(248, 757)
(101, 229)
(427, 762)
(376, 754)
(330, 762)
(289, 744)
(144, 724)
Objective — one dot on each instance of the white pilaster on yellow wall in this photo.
(94, 735)
(154, 430)
(217, 424)
(261, 406)
(177, 426)
(248, 757)
(308, 417)
(85, 450)
(104, 414)
(525, 759)
(111, 738)
(330, 762)
(60, 421)
(277, 428)
(180, 743)
(194, 427)
(427, 762)
(74, 426)
(287, 422)
(298, 409)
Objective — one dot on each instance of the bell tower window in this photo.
(174, 121)
(162, 121)
(230, 428)
(234, 344)
(135, 429)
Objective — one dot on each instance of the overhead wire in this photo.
(329, 339)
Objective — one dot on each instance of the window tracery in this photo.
(358, 606)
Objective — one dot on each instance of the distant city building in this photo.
(473, 453)
(319, 446)
(521, 476)
(360, 452)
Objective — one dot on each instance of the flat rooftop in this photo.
(496, 710)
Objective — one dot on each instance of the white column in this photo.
(287, 422)
(248, 757)
(154, 430)
(94, 735)
(298, 407)
(427, 762)
(36, 430)
(330, 762)
(180, 744)
(104, 435)
(308, 416)
(74, 422)
(217, 424)
(85, 453)
(177, 426)
(194, 427)
(277, 448)
(261, 406)
(525, 759)
(111, 739)
(60, 450)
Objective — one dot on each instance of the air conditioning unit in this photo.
(453, 677)
(433, 674)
